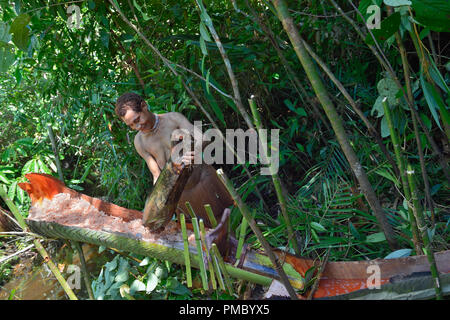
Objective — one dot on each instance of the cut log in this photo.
(162, 201)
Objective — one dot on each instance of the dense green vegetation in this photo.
(206, 59)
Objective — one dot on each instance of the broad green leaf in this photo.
(137, 285)
(434, 14)
(363, 5)
(378, 107)
(388, 88)
(21, 38)
(5, 36)
(174, 286)
(388, 27)
(21, 34)
(399, 254)
(7, 58)
(376, 237)
(152, 282)
(397, 3)
(19, 23)
(385, 132)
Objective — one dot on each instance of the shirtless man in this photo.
(153, 142)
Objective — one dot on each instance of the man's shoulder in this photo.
(138, 140)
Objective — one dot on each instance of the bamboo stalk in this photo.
(210, 266)
(242, 232)
(218, 271)
(86, 279)
(245, 212)
(410, 97)
(354, 105)
(398, 155)
(275, 179)
(187, 260)
(387, 66)
(12, 207)
(228, 281)
(190, 210)
(211, 216)
(417, 209)
(226, 60)
(336, 121)
(200, 257)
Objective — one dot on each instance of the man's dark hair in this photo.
(128, 100)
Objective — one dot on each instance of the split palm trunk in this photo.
(335, 120)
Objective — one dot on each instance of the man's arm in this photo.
(151, 162)
(196, 133)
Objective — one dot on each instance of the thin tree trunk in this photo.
(336, 122)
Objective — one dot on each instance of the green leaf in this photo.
(204, 32)
(21, 34)
(137, 285)
(7, 58)
(376, 237)
(388, 27)
(152, 282)
(434, 101)
(385, 173)
(12, 190)
(22, 38)
(385, 132)
(399, 254)
(397, 3)
(363, 5)
(19, 23)
(5, 35)
(318, 226)
(388, 88)
(434, 14)
(4, 179)
(203, 46)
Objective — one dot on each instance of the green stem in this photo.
(201, 261)
(222, 266)
(211, 216)
(417, 209)
(87, 282)
(210, 265)
(242, 232)
(275, 179)
(333, 116)
(251, 221)
(187, 260)
(398, 155)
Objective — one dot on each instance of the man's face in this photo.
(137, 120)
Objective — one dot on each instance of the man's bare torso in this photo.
(158, 143)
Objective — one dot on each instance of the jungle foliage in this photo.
(206, 59)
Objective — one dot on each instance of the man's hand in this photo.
(186, 160)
